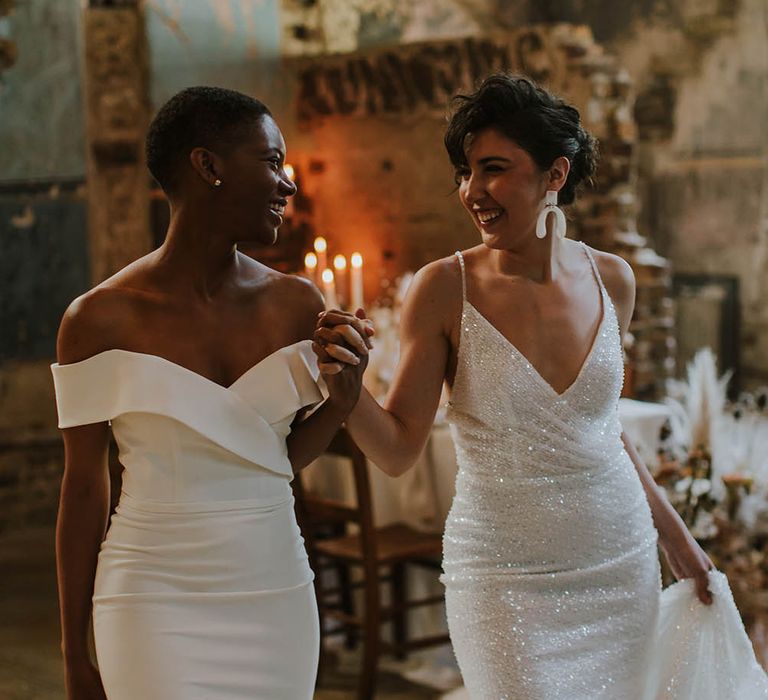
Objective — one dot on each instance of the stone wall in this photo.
(699, 70)
(376, 120)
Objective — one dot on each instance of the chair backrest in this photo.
(318, 513)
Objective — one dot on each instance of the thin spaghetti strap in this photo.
(463, 275)
(595, 269)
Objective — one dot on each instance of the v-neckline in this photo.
(535, 372)
(164, 360)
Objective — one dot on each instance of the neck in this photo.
(199, 254)
(540, 260)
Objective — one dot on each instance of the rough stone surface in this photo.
(699, 70)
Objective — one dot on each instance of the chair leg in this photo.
(371, 635)
(347, 602)
(400, 619)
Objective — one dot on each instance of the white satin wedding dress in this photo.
(553, 588)
(203, 590)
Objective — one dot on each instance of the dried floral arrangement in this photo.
(713, 463)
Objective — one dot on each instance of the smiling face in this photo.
(501, 187)
(255, 187)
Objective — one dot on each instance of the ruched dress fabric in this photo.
(203, 589)
(553, 588)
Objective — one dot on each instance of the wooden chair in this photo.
(332, 544)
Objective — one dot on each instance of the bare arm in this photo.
(310, 437)
(81, 521)
(80, 528)
(394, 435)
(685, 556)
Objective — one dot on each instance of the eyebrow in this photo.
(488, 159)
(273, 151)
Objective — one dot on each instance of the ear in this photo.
(206, 164)
(558, 173)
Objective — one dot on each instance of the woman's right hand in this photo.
(83, 682)
(341, 339)
(341, 343)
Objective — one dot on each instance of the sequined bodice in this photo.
(501, 402)
(535, 461)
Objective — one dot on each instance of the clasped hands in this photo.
(341, 342)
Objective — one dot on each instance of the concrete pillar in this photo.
(117, 112)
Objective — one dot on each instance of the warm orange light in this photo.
(327, 276)
(340, 262)
(310, 261)
(356, 260)
(289, 171)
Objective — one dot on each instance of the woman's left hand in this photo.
(340, 339)
(687, 559)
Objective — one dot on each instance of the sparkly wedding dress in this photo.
(203, 590)
(552, 579)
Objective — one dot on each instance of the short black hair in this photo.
(540, 123)
(207, 117)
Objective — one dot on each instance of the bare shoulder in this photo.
(95, 321)
(295, 301)
(302, 298)
(91, 323)
(440, 277)
(617, 275)
(434, 298)
(619, 281)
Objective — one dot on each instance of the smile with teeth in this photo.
(277, 208)
(485, 217)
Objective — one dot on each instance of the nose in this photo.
(473, 189)
(287, 186)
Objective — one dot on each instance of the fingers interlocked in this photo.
(340, 339)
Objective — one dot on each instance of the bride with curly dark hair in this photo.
(553, 588)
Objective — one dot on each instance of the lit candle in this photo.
(321, 248)
(357, 281)
(310, 267)
(329, 289)
(340, 266)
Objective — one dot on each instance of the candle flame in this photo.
(327, 276)
(357, 260)
(289, 171)
(310, 261)
(340, 262)
(321, 245)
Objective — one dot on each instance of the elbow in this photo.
(398, 466)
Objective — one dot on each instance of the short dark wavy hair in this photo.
(208, 117)
(540, 123)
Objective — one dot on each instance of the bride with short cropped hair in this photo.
(197, 359)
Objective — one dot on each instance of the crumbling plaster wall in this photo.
(699, 69)
(43, 259)
(700, 72)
